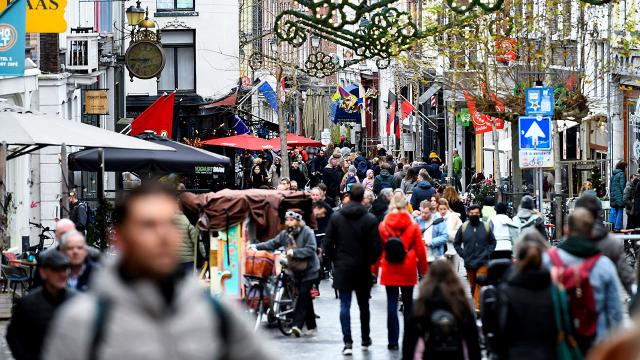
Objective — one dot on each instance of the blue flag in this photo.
(12, 38)
(269, 94)
(239, 126)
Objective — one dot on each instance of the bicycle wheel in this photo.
(255, 304)
(283, 310)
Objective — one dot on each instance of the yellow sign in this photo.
(96, 102)
(44, 16)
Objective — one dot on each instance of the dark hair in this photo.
(581, 222)
(412, 174)
(147, 189)
(621, 165)
(501, 208)
(323, 187)
(529, 249)
(442, 277)
(474, 207)
(489, 201)
(356, 193)
(389, 157)
(590, 203)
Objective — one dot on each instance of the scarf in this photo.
(579, 246)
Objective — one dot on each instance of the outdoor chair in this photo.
(14, 275)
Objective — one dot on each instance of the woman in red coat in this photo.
(400, 277)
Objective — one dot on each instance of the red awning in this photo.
(296, 140)
(245, 141)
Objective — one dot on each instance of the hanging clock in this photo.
(144, 59)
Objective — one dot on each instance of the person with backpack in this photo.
(352, 242)
(362, 165)
(522, 333)
(527, 217)
(617, 183)
(488, 208)
(383, 181)
(434, 231)
(349, 179)
(410, 180)
(590, 280)
(403, 252)
(399, 176)
(443, 325)
(503, 229)
(142, 306)
(475, 243)
(79, 213)
(422, 190)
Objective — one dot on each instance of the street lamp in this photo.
(315, 42)
(135, 14)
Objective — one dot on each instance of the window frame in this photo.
(174, 47)
(175, 7)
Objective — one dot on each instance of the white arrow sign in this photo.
(534, 133)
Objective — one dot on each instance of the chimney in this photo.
(49, 53)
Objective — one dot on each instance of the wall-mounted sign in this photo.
(96, 102)
(43, 16)
(12, 39)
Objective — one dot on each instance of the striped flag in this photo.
(393, 104)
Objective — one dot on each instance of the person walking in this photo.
(352, 242)
(141, 306)
(616, 191)
(383, 181)
(528, 217)
(434, 231)
(367, 182)
(331, 176)
(349, 179)
(399, 176)
(629, 198)
(488, 208)
(422, 191)
(403, 252)
(455, 204)
(523, 333)
(578, 253)
(410, 180)
(443, 325)
(81, 266)
(457, 169)
(275, 172)
(452, 219)
(32, 314)
(380, 206)
(78, 212)
(503, 229)
(474, 243)
(300, 243)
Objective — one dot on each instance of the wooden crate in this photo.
(5, 305)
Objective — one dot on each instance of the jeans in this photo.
(362, 296)
(393, 327)
(303, 312)
(616, 216)
(457, 181)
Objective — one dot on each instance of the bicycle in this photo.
(45, 234)
(258, 298)
(284, 301)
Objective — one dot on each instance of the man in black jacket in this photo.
(34, 312)
(353, 244)
(332, 176)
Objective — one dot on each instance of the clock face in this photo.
(144, 59)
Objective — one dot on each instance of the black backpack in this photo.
(442, 335)
(394, 251)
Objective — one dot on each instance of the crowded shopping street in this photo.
(335, 179)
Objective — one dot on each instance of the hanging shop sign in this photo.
(96, 102)
(407, 141)
(12, 39)
(43, 16)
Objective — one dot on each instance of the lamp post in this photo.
(315, 42)
(135, 15)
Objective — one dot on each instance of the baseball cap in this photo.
(54, 259)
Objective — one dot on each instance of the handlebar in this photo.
(43, 228)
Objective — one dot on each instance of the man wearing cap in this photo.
(527, 217)
(34, 312)
(300, 243)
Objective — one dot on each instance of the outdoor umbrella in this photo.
(296, 140)
(32, 131)
(244, 141)
(185, 158)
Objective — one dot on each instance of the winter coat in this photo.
(368, 183)
(422, 191)
(474, 244)
(453, 222)
(298, 176)
(616, 189)
(437, 235)
(407, 186)
(31, 319)
(528, 218)
(458, 207)
(434, 171)
(275, 178)
(398, 177)
(628, 197)
(179, 325)
(523, 333)
(379, 208)
(331, 176)
(614, 250)
(413, 343)
(503, 229)
(343, 183)
(382, 181)
(488, 212)
(318, 163)
(604, 281)
(189, 239)
(352, 242)
(457, 165)
(400, 224)
(306, 248)
(260, 179)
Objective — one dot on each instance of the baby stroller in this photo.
(489, 301)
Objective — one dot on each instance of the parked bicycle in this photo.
(284, 300)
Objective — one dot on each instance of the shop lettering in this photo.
(41, 4)
(43, 16)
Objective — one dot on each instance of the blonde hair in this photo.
(398, 202)
(451, 194)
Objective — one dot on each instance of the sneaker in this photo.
(311, 332)
(366, 345)
(347, 350)
(315, 293)
(393, 347)
(296, 331)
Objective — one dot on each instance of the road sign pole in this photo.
(539, 188)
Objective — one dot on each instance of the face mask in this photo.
(474, 219)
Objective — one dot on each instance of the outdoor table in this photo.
(29, 264)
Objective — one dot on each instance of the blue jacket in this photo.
(439, 235)
(604, 281)
(616, 190)
(422, 191)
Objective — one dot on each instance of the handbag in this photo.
(566, 346)
(294, 264)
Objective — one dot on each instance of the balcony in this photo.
(82, 52)
(626, 63)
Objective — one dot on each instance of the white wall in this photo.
(217, 47)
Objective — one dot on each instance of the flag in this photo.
(269, 94)
(464, 117)
(479, 120)
(239, 126)
(406, 108)
(158, 117)
(392, 111)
